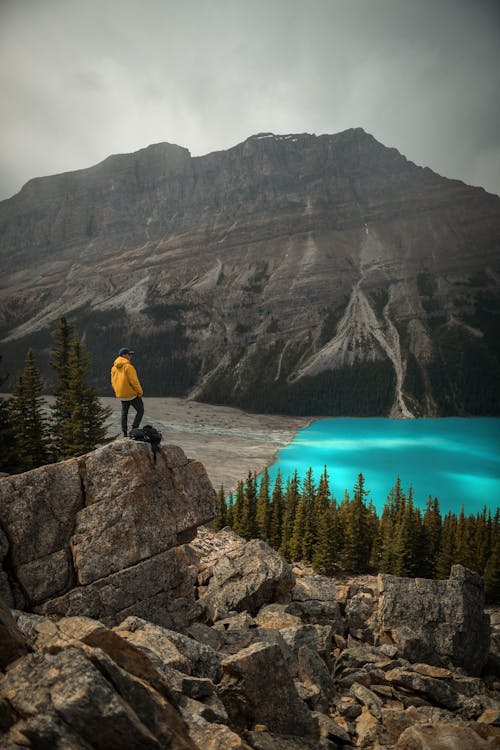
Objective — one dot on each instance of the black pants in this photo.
(139, 413)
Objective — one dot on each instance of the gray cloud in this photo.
(82, 80)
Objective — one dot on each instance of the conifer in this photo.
(445, 557)
(221, 519)
(263, 509)
(238, 509)
(248, 520)
(29, 422)
(79, 419)
(230, 511)
(7, 438)
(324, 554)
(309, 522)
(358, 538)
(431, 524)
(291, 500)
(276, 512)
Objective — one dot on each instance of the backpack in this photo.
(149, 435)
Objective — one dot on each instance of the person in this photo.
(127, 388)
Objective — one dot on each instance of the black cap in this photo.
(125, 350)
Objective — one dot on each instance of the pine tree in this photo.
(238, 509)
(276, 512)
(79, 419)
(263, 509)
(464, 554)
(387, 535)
(221, 519)
(445, 557)
(324, 554)
(248, 520)
(309, 522)
(7, 437)
(491, 574)
(292, 491)
(28, 418)
(432, 524)
(230, 511)
(408, 545)
(358, 538)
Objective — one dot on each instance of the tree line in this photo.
(303, 522)
(32, 435)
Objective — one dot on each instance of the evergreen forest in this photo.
(31, 434)
(304, 523)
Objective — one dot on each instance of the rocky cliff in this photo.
(154, 637)
(301, 274)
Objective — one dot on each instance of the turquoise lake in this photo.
(456, 460)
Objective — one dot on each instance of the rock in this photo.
(172, 649)
(446, 735)
(276, 617)
(50, 692)
(329, 729)
(254, 694)
(312, 636)
(263, 740)
(438, 691)
(12, 641)
(37, 513)
(358, 612)
(314, 600)
(438, 621)
(367, 728)
(245, 579)
(312, 671)
(367, 698)
(135, 508)
(213, 736)
(93, 536)
(159, 589)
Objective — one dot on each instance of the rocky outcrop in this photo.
(232, 648)
(392, 270)
(100, 535)
(77, 683)
(439, 622)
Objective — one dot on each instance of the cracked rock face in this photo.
(100, 535)
(256, 274)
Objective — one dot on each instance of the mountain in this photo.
(294, 273)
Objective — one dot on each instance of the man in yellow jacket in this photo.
(127, 388)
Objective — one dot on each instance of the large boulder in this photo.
(244, 578)
(255, 693)
(438, 622)
(99, 535)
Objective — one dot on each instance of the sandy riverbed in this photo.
(229, 442)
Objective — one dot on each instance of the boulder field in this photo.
(126, 623)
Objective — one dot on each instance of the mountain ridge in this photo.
(265, 275)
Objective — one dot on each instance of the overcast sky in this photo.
(83, 79)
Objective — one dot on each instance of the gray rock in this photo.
(443, 621)
(245, 579)
(105, 707)
(358, 612)
(12, 641)
(255, 694)
(446, 735)
(314, 599)
(135, 508)
(312, 671)
(172, 648)
(159, 589)
(37, 513)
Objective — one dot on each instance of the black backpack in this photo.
(149, 435)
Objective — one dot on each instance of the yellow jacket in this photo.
(124, 379)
